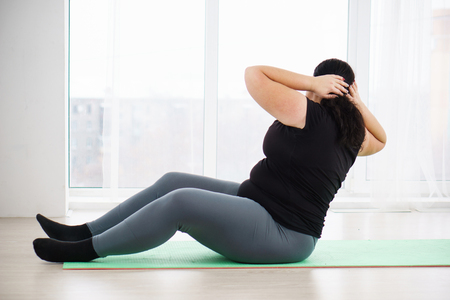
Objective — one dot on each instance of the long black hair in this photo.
(346, 115)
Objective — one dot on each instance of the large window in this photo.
(157, 86)
(137, 82)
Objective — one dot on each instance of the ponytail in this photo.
(347, 116)
(348, 119)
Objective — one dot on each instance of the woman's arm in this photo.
(375, 139)
(276, 91)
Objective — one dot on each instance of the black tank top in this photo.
(302, 171)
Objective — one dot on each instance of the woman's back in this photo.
(302, 171)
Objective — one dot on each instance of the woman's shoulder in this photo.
(316, 115)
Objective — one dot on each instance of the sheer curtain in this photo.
(409, 87)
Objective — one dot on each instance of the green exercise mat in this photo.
(328, 253)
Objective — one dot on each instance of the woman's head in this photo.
(336, 67)
(348, 118)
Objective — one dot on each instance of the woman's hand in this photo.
(329, 86)
(353, 96)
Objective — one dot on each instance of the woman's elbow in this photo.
(251, 73)
(371, 146)
(253, 78)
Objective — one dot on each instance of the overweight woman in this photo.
(277, 215)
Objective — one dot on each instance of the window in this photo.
(142, 74)
(136, 70)
(136, 86)
(89, 143)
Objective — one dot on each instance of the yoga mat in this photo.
(328, 253)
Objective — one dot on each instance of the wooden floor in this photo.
(24, 276)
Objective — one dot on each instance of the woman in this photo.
(278, 214)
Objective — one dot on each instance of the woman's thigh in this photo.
(166, 184)
(240, 229)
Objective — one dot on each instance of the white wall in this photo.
(32, 107)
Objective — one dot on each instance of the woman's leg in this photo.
(236, 227)
(167, 183)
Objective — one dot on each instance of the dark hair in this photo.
(348, 118)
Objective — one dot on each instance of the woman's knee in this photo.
(168, 182)
(169, 177)
(180, 200)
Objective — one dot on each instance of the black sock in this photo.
(59, 251)
(63, 232)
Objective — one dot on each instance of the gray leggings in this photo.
(209, 211)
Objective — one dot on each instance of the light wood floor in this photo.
(24, 276)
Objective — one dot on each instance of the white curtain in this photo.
(409, 93)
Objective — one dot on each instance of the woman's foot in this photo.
(63, 232)
(59, 251)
